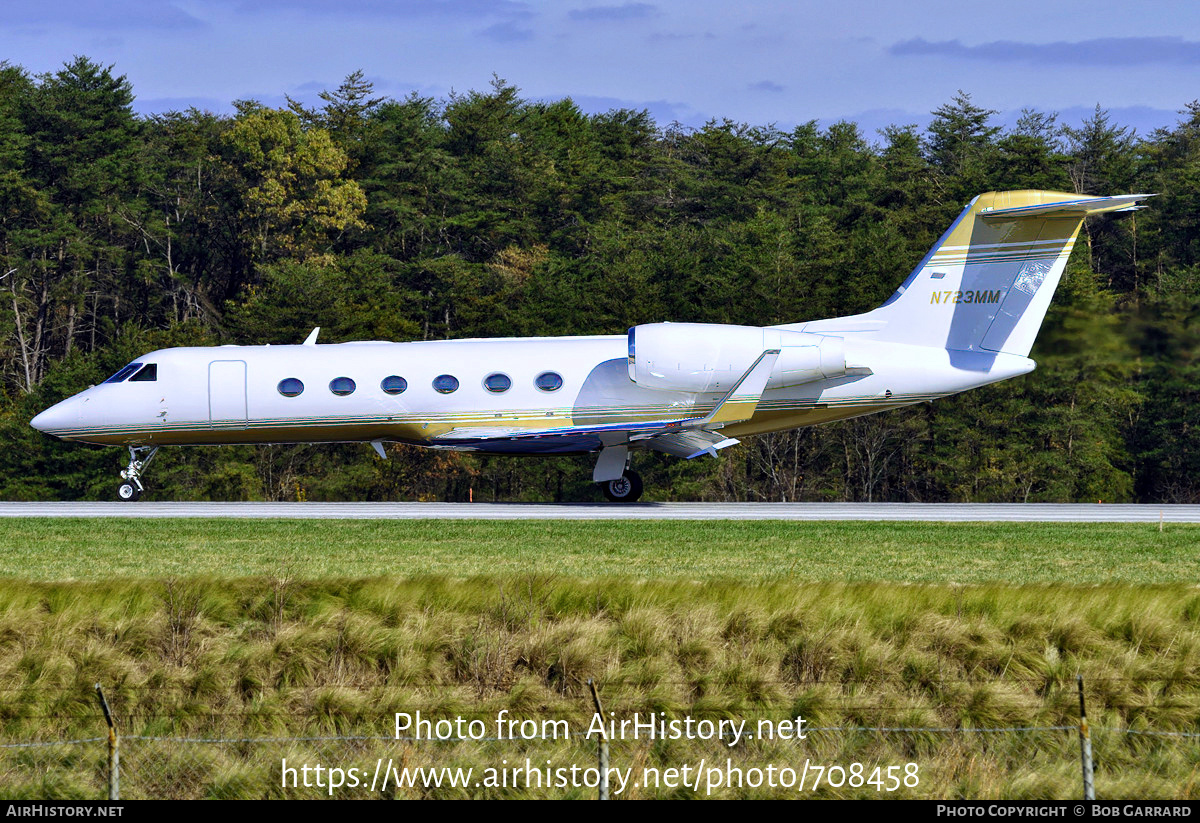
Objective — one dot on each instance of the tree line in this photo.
(487, 214)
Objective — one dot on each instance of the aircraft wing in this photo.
(691, 443)
(686, 436)
(640, 430)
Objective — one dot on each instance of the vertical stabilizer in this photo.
(986, 284)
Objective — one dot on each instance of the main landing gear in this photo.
(625, 489)
(131, 487)
(619, 483)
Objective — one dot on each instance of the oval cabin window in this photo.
(341, 386)
(290, 387)
(445, 384)
(497, 383)
(393, 384)
(549, 381)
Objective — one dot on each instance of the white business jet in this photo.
(966, 316)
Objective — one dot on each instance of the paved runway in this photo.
(933, 512)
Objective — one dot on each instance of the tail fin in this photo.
(986, 284)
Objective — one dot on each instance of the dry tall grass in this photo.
(282, 657)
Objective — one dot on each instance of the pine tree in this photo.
(961, 145)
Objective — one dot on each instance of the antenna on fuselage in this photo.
(311, 340)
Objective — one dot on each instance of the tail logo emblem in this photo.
(1030, 278)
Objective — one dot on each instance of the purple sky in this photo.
(755, 62)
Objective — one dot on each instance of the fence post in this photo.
(114, 749)
(603, 743)
(1085, 747)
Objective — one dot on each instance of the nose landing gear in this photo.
(131, 487)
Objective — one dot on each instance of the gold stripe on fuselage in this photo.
(772, 415)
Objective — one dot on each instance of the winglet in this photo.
(311, 340)
(713, 448)
(742, 399)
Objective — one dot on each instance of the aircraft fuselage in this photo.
(236, 394)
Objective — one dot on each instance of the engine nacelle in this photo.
(710, 357)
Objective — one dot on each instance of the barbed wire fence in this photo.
(144, 766)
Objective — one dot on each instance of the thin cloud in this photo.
(766, 85)
(507, 32)
(670, 37)
(395, 8)
(628, 11)
(115, 15)
(1106, 51)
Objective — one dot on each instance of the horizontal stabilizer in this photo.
(1082, 207)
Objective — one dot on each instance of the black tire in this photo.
(626, 489)
(129, 492)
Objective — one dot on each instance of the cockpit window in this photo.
(123, 373)
(148, 374)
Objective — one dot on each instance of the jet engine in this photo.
(710, 357)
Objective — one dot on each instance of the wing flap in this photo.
(648, 429)
(690, 444)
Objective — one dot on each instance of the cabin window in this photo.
(497, 383)
(123, 373)
(445, 384)
(148, 374)
(341, 386)
(549, 381)
(290, 387)
(393, 384)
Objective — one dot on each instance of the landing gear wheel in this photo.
(131, 487)
(625, 489)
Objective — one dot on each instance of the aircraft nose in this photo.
(58, 417)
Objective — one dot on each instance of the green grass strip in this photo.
(974, 553)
